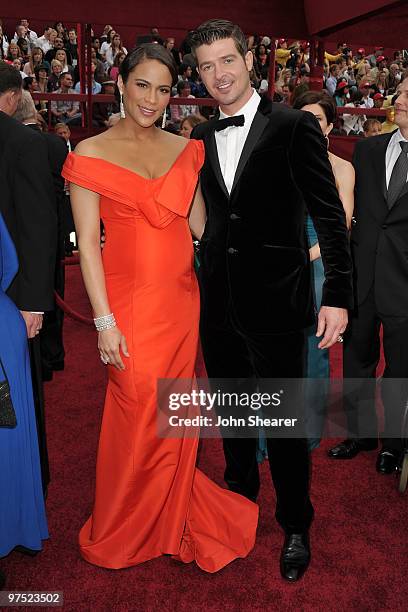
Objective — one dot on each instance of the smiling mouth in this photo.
(223, 86)
(147, 111)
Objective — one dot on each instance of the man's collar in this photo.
(248, 110)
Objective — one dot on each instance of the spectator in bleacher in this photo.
(114, 70)
(66, 111)
(366, 100)
(24, 49)
(46, 40)
(373, 57)
(185, 72)
(3, 44)
(372, 127)
(113, 49)
(378, 100)
(96, 87)
(177, 112)
(331, 82)
(13, 51)
(61, 56)
(41, 86)
(106, 43)
(100, 73)
(21, 33)
(381, 82)
(54, 78)
(353, 124)
(381, 65)
(61, 31)
(58, 45)
(282, 53)
(394, 77)
(36, 59)
(102, 111)
(342, 93)
(17, 63)
(261, 58)
(72, 46)
(105, 34)
(188, 124)
(169, 45)
(30, 34)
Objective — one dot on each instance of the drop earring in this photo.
(122, 107)
(164, 119)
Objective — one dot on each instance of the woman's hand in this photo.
(110, 342)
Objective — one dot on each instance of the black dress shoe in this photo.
(387, 461)
(2, 580)
(295, 556)
(349, 448)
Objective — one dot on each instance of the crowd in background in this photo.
(49, 63)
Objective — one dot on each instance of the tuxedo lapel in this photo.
(379, 165)
(258, 125)
(215, 162)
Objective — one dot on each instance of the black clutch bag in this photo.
(7, 412)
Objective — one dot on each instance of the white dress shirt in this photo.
(230, 141)
(392, 154)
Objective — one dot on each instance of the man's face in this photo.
(335, 71)
(170, 43)
(24, 22)
(66, 81)
(21, 31)
(401, 105)
(58, 43)
(63, 132)
(225, 73)
(72, 36)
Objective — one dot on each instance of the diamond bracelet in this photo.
(105, 322)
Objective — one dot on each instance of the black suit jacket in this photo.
(379, 238)
(254, 253)
(27, 203)
(57, 154)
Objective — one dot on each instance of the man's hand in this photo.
(33, 323)
(332, 322)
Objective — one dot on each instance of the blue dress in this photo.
(22, 511)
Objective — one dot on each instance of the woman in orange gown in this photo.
(150, 498)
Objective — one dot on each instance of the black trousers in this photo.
(51, 336)
(361, 357)
(228, 353)
(38, 392)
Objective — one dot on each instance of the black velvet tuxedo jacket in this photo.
(254, 253)
(379, 238)
(27, 202)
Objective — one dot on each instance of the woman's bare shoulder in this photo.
(342, 167)
(93, 146)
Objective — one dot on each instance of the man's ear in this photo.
(249, 60)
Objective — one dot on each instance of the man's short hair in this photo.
(10, 78)
(217, 29)
(26, 108)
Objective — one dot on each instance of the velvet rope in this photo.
(70, 312)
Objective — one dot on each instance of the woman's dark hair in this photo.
(27, 82)
(38, 69)
(148, 51)
(321, 98)
(182, 85)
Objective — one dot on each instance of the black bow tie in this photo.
(222, 124)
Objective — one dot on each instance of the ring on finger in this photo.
(340, 338)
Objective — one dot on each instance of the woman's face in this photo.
(14, 50)
(319, 113)
(61, 56)
(121, 58)
(37, 57)
(186, 129)
(97, 44)
(261, 49)
(17, 63)
(116, 41)
(146, 93)
(42, 74)
(57, 69)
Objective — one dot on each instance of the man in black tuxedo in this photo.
(51, 338)
(254, 260)
(379, 240)
(28, 206)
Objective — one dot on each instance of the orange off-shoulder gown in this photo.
(150, 498)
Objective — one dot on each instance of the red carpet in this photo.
(359, 536)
